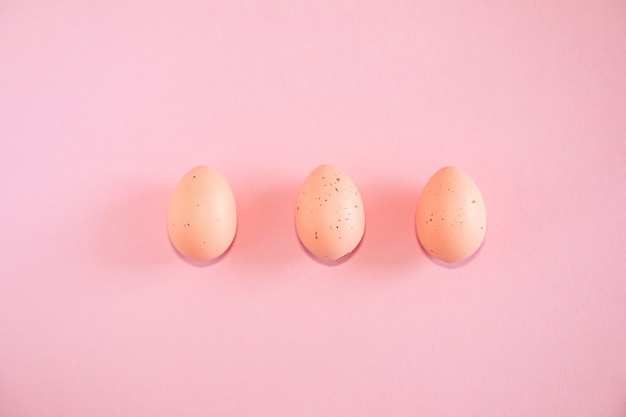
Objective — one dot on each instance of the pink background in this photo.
(105, 105)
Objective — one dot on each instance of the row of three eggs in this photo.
(330, 218)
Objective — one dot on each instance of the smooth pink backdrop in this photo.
(105, 105)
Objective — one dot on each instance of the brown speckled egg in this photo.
(202, 216)
(330, 219)
(450, 218)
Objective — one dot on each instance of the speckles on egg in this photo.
(330, 220)
(453, 197)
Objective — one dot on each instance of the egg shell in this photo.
(202, 215)
(450, 218)
(330, 218)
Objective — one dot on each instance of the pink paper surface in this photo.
(105, 105)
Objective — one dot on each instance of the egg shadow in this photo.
(326, 262)
(455, 265)
(390, 237)
(133, 229)
(265, 234)
(201, 264)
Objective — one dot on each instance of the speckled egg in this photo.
(450, 218)
(202, 216)
(330, 218)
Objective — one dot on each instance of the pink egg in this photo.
(202, 216)
(450, 218)
(330, 218)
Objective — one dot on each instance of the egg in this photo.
(202, 215)
(330, 218)
(450, 218)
